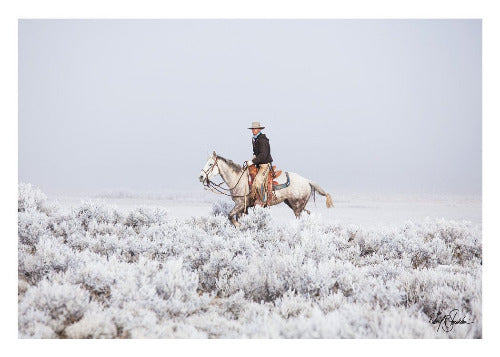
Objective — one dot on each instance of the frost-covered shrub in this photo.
(53, 304)
(144, 217)
(50, 256)
(95, 212)
(210, 225)
(222, 207)
(259, 218)
(34, 213)
(22, 286)
(94, 324)
(95, 273)
(31, 225)
(31, 198)
(291, 305)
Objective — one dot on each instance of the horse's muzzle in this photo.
(201, 178)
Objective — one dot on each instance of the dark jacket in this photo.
(261, 150)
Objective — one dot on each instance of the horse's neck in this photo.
(230, 177)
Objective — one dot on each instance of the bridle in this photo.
(209, 171)
(216, 188)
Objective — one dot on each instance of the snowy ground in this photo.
(365, 210)
(119, 266)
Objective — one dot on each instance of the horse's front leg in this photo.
(237, 210)
(242, 213)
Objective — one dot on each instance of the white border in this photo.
(10, 13)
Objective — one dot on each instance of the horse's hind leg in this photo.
(303, 204)
(289, 205)
(296, 207)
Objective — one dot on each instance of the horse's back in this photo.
(298, 179)
(299, 187)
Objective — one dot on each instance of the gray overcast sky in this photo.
(356, 105)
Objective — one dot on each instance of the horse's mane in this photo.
(230, 163)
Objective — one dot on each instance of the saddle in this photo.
(273, 173)
(270, 186)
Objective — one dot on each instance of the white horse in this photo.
(295, 195)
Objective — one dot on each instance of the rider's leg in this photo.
(259, 182)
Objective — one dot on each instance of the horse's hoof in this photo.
(236, 223)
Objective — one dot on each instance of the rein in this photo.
(215, 188)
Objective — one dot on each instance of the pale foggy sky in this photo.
(356, 105)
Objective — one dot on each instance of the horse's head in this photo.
(210, 170)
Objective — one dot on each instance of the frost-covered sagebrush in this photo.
(98, 273)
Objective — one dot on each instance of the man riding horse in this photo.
(263, 160)
(294, 190)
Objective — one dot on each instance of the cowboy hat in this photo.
(256, 125)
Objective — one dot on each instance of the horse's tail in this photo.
(316, 187)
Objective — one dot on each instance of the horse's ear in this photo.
(214, 154)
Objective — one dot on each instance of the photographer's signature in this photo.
(446, 322)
